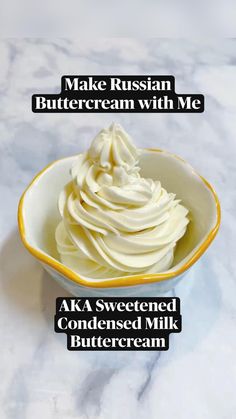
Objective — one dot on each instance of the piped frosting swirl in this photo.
(113, 221)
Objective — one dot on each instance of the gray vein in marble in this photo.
(149, 369)
(92, 390)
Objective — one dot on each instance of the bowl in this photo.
(38, 217)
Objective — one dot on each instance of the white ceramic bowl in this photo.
(38, 217)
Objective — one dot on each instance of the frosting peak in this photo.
(113, 147)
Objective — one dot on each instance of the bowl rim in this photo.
(130, 280)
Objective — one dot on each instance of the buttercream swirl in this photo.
(113, 221)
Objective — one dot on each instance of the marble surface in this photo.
(196, 378)
(184, 18)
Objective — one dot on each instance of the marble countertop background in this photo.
(196, 378)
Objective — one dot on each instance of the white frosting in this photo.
(114, 222)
